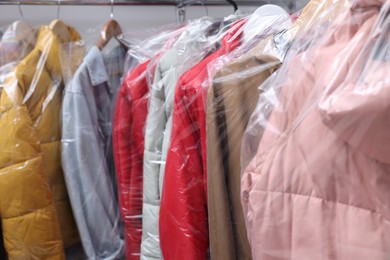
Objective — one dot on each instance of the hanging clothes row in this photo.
(260, 136)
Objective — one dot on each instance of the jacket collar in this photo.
(95, 66)
(232, 38)
(49, 44)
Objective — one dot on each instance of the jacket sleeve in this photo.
(183, 213)
(88, 179)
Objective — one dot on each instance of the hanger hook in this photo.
(112, 9)
(205, 7)
(58, 8)
(233, 4)
(20, 10)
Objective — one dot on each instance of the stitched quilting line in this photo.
(324, 200)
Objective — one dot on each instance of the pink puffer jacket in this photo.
(319, 185)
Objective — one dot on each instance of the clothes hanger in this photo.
(232, 3)
(263, 18)
(20, 26)
(110, 30)
(227, 21)
(59, 27)
(205, 7)
(20, 11)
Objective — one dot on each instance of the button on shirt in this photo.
(87, 156)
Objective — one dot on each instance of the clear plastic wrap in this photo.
(231, 99)
(37, 220)
(315, 182)
(190, 48)
(57, 174)
(144, 44)
(128, 135)
(256, 137)
(17, 41)
(232, 95)
(93, 81)
(183, 210)
(184, 204)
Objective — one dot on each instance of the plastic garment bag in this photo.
(18, 40)
(87, 153)
(189, 49)
(86, 145)
(128, 134)
(37, 221)
(231, 98)
(317, 181)
(183, 212)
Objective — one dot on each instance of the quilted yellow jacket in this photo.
(37, 220)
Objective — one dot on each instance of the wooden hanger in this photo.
(110, 30)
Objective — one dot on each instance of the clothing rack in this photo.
(130, 2)
(179, 4)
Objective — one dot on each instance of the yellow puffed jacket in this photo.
(37, 220)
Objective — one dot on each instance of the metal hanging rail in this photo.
(179, 4)
(124, 2)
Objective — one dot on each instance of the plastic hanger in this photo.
(263, 18)
(110, 30)
(59, 27)
(234, 4)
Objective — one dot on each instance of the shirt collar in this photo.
(46, 33)
(49, 44)
(95, 65)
